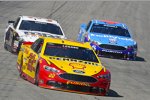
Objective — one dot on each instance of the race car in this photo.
(109, 39)
(63, 64)
(28, 29)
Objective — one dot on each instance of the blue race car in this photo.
(109, 39)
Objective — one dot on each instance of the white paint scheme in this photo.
(30, 38)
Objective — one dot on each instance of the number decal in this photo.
(31, 62)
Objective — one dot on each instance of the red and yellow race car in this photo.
(63, 65)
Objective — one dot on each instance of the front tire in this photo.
(134, 57)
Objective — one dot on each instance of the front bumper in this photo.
(100, 87)
(119, 54)
(129, 55)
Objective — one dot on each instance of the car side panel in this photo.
(29, 62)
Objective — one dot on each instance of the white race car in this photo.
(26, 29)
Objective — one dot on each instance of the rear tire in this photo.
(12, 45)
(37, 76)
(5, 46)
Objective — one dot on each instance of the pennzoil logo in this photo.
(78, 83)
(77, 66)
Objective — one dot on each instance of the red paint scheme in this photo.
(43, 75)
(25, 76)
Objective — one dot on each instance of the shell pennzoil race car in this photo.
(63, 65)
(109, 39)
(28, 29)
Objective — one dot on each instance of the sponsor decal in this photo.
(110, 22)
(108, 36)
(40, 61)
(31, 61)
(40, 22)
(33, 34)
(77, 66)
(79, 71)
(52, 75)
(68, 46)
(112, 51)
(26, 51)
(78, 83)
(113, 40)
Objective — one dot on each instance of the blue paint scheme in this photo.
(97, 38)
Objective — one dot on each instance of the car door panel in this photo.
(31, 57)
(32, 63)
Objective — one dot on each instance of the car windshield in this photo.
(67, 51)
(40, 26)
(110, 30)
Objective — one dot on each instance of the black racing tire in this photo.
(19, 46)
(12, 44)
(5, 46)
(134, 57)
(37, 75)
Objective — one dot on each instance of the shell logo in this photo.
(77, 66)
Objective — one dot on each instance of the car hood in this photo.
(111, 39)
(76, 67)
(31, 36)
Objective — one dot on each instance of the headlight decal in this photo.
(104, 76)
(52, 69)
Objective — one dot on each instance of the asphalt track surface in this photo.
(130, 79)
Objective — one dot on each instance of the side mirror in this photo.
(11, 22)
(83, 26)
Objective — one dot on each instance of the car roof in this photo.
(109, 22)
(67, 42)
(40, 19)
